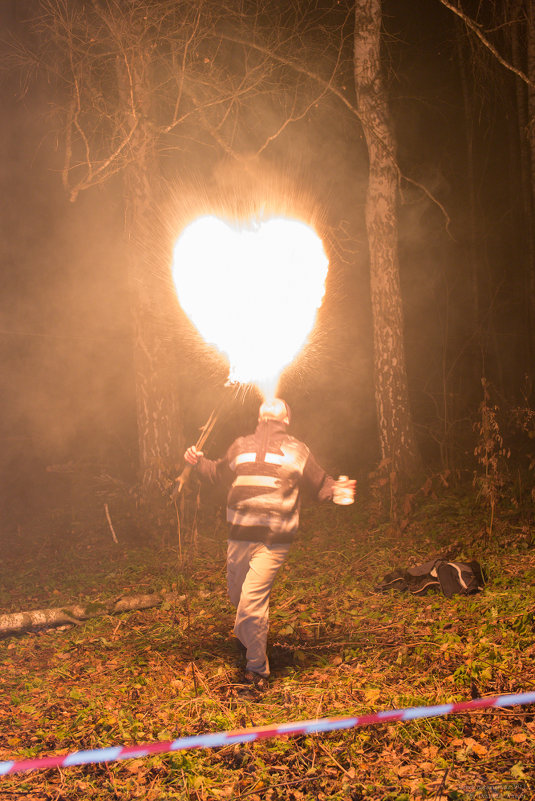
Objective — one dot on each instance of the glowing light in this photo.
(251, 290)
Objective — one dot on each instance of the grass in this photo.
(338, 649)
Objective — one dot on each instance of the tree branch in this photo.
(329, 87)
(474, 27)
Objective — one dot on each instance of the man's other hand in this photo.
(192, 455)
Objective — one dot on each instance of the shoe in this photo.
(260, 683)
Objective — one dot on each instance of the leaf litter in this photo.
(337, 649)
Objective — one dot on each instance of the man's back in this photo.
(267, 469)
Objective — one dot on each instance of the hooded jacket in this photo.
(266, 472)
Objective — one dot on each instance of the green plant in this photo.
(490, 453)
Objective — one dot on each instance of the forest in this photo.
(402, 134)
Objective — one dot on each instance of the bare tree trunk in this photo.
(525, 176)
(530, 11)
(160, 438)
(391, 390)
(519, 145)
(16, 622)
(474, 238)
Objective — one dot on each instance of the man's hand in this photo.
(192, 455)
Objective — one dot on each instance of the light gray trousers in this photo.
(251, 571)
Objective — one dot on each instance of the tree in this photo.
(514, 23)
(391, 385)
(136, 78)
(522, 36)
(397, 444)
(140, 77)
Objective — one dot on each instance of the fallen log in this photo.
(16, 622)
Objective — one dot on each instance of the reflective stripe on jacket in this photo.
(266, 472)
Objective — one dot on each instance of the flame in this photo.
(251, 289)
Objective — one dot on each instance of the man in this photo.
(266, 472)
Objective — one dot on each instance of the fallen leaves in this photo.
(519, 737)
(372, 695)
(150, 679)
(471, 747)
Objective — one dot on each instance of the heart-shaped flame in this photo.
(252, 290)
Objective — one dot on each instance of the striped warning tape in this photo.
(115, 753)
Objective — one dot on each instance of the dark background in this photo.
(66, 383)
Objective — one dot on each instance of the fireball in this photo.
(252, 290)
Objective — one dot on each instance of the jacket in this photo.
(266, 472)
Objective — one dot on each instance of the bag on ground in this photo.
(451, 578)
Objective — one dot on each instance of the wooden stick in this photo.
(113, 534)
(206, 430)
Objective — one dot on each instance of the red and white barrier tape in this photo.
(115, 753)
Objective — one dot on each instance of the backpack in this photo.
(452, 578)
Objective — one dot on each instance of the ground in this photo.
(338, 648)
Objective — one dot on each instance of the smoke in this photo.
(65, 351)
(66, 359)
